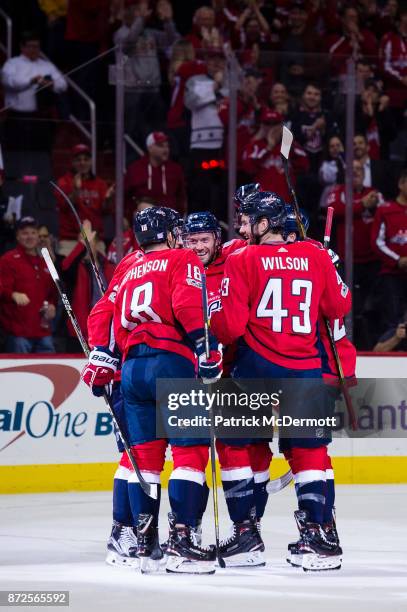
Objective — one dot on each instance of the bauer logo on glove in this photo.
(100, 370)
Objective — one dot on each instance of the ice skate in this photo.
(148, 546)
(294, 555)
(318, 552)
(122, 547)
(184, 553)
(244, 548)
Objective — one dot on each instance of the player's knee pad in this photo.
(190, 457)
(260, 456)
(308, 459)
(234, 462)
(149, 457)
(329, 471)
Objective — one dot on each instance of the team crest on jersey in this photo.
(214, 307)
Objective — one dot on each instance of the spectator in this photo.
(310, 123)
(28, 297)
(365, 264)
(393, 56)
(47, 241)
(377, 173)
(252, 26)
(31, 84)
(248, 107)
(352, 41)
(203, 93)
(156, 176)
(80, 279)
(183, 66)
(89, 194)
(298, 64)
(129, 240)
(331, 171)
(394, 339)
(279, 99)
(144, 107)
(262, 158)
(375, 119)
(389, 239)
(205, 36)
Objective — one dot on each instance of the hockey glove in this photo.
(100, 369)
(210, 370)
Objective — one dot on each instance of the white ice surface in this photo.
(57, 541)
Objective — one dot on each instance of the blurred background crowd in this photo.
(183, 66)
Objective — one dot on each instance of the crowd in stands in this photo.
(178, 57)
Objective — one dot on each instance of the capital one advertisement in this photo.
(48, 415)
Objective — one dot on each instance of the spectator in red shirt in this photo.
(89, 194)
(279, 99)
(78, 275)
(262, 158)
(393, 56)
(365, 264)
(389, 240)
(156, 176)
(28, 296)
(354, 41)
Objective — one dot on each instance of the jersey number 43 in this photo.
(271, 305)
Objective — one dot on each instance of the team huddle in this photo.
(268, 296)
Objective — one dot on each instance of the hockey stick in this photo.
(341, 376)
(286, 143)
(149, 489)
(212, 430)
(93, 263)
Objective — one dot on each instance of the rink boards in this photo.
(55, 436)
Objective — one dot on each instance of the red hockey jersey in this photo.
(389, 236)
(393, 56)
(272, 295)
(100, 319)
(345, 348)
(214, 273)
(159, 301)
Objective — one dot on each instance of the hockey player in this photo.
(272, 293)
(347, 355)
(158, 318)
(201, 233)
(122, 543)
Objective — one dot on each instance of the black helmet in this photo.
(152, 225)
(266, 205)
(291, 224)
(201, 222)
(245, 191)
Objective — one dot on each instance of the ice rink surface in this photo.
(57, 541)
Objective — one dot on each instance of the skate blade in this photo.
(249, 559)
(149, 565)
(294, 560)
(117, 560)
(318, 563)
(180, 565)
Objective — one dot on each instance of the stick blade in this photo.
(50, 264)
(276, 485)
(286, 142)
